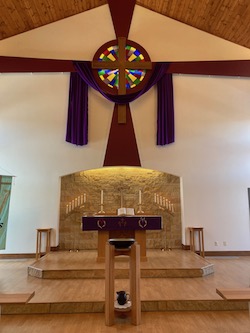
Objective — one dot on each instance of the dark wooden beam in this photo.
(219, 67)
(121, 13)
(122, 147)
(24, 65)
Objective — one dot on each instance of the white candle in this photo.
(163, 202)
(160, 200)
(167, 203)
(121, 199)
(73, 204)
(67, 209)
(81, 199)
(155, 198)
(84, 197)
(101, 197)
(172, 208)
(139, 197)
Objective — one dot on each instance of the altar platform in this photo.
(84, 265)
(73, 282)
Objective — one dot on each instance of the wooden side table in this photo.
(47, 232)
(134, 270)
(199, 231)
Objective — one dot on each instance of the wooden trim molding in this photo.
(184, 247)
(227, 253)
(17, 255)
(220, 253)
(24, 255)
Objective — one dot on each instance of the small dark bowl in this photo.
(121, 243)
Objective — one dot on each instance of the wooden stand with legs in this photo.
(47, 232)
(199, 230)
(134, 271)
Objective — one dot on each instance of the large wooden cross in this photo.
(122, 64)
(122, 147)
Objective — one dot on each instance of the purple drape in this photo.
(77, 124)
(165, 111)
(78, 103)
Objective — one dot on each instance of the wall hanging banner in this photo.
(5, 188)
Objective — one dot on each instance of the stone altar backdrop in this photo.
(82, 192)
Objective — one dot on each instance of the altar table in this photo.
(121, 227)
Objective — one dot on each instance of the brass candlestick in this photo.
(101, 211)
(140, 211)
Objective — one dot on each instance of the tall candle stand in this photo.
(164, 204)
(140, 211)
(101, 211)
(76, 205)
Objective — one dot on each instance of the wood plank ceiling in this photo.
(228, 19)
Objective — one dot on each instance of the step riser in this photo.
(146, 306)
(119, 273)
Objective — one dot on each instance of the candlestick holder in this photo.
(101, 211)
(82, 207)
(140, 211)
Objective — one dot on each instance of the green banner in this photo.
(5, 188)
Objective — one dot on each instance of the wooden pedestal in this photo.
(134, 269)
(47, 233)
(192, 231)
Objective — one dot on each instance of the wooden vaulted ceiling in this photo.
(228, 19)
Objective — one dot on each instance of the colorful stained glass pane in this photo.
(111, 76)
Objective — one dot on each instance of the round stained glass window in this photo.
(111, 76)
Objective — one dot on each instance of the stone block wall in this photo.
(81, 195)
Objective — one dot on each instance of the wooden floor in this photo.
(152, 322)
(229, 272)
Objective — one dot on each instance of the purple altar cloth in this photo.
(135, 222)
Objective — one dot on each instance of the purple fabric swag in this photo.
(77, 126)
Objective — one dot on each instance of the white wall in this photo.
(33, 112)
(211, 155)
(211, 152)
